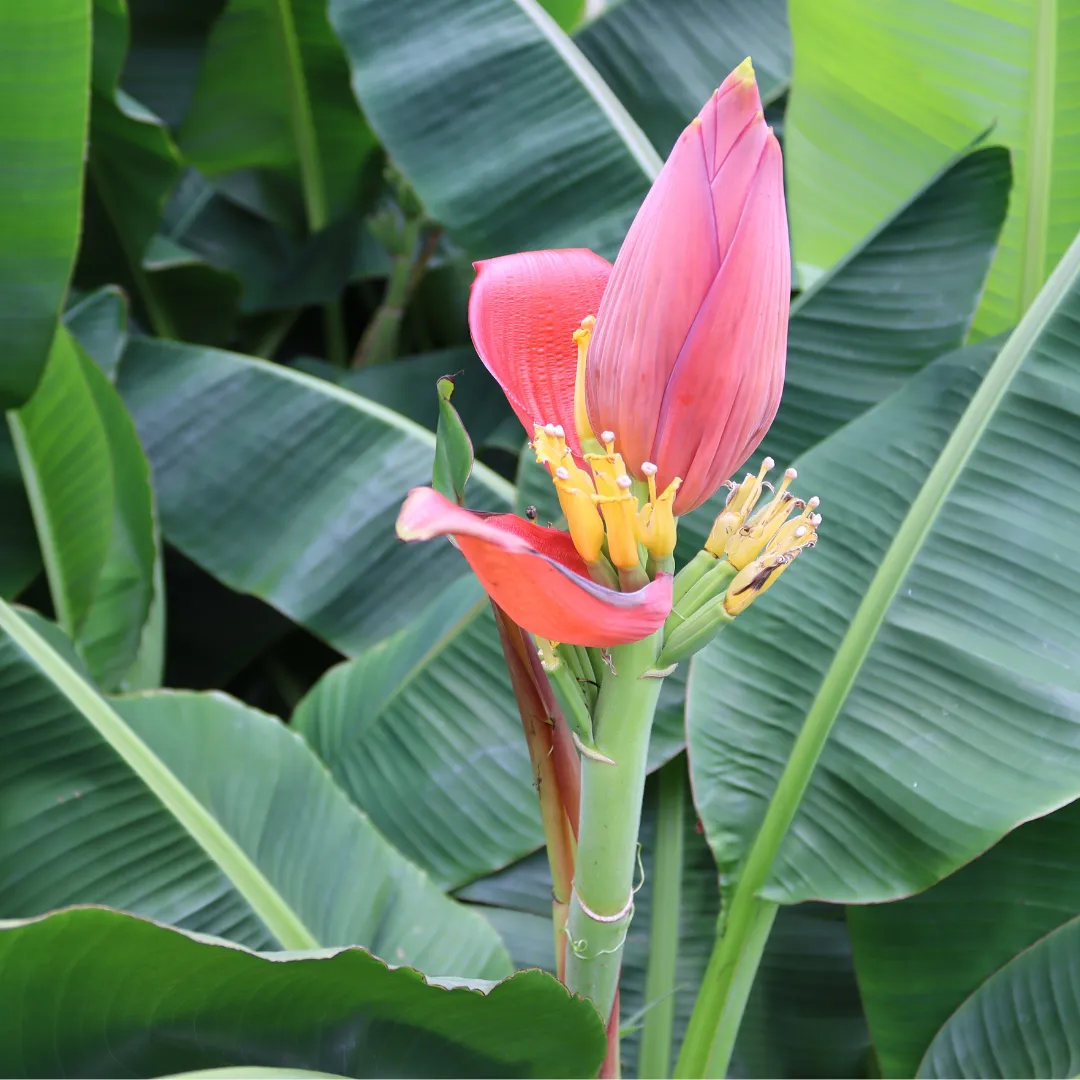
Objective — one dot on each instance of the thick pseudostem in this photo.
(602, 898)
(556, 771)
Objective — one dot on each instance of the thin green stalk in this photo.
(656, 1036)
(718, 1010)
(379, 342)
(601, 904)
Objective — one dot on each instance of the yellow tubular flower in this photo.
(617, 503)
(581, 413)
(574, 487)
(656, 520)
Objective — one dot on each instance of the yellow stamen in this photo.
(751, 539)
(739, 506)
(574, 487)
(614, 496)
(656, 521)
(581, 411)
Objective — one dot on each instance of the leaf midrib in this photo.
(634, 139)
(869, 616)
(248, 880)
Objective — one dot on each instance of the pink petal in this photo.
(536, 575)
(667, 266)
(523, 311)
(725, 388)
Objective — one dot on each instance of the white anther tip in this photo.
(607, 436)
(562, 473)
(815, 520)
(791, 474)
(624, 482)
(767, 463)
(800, 532)
(648, 468)
(812, 502)
(560, 431)
(549, 429)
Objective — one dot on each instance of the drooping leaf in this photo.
(45, 60)
(89, 488)
(63, 451)
(1024, 1021)
(93, 991)
(920, 959)
(479, 400)
(887, 95)
(422, 731)
(663, 60)
(273, 94)
(202, 812)
(935, 628)
(503, 128)
(287, 487)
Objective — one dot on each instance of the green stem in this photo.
(379, 342)
(601, 902)
(655, 1058)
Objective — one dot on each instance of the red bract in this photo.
(523, 311)
(536, 576)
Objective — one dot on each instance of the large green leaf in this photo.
(886, 92)
(408, 386)
(919, 959)
(63, 451)
(200, 811)
(1025, 1021)
(273, 94)
(935, 624)
(92, 992)
(664, 59)
(285, 486)
(89, 489)
(422, 731)
(45, 61)
(506, 132)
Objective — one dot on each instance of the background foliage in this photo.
(235, 248)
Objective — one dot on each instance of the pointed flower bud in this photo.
(686, 361)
